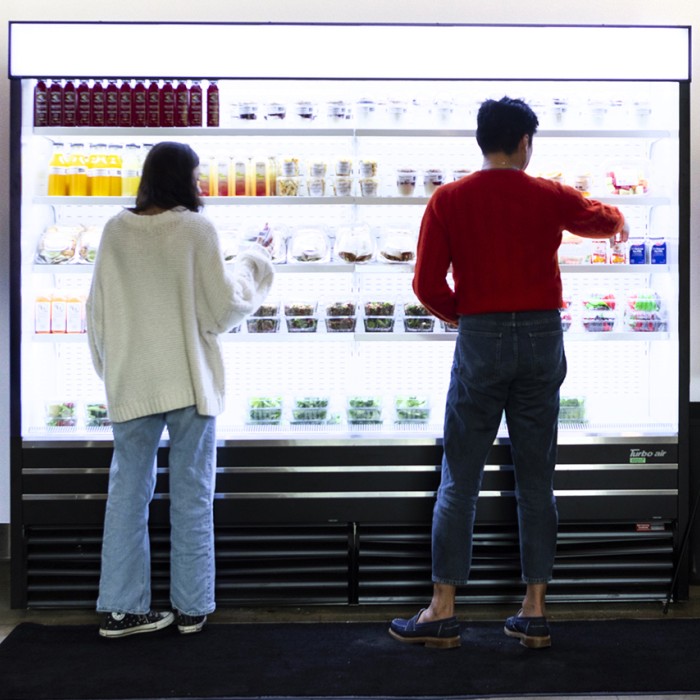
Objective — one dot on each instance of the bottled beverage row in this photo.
(125, 103)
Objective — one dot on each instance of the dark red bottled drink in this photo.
(55, 103)
(213, 104)
(195, 115)
(97, 104)
(167, 104)
(112, 104)
(153, 104)
(125, 106)
(70, 105)
(41, 104)
(182, 104)
(139, 102)
(82, 104)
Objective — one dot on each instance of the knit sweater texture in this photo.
(500, 231)
(160, 297)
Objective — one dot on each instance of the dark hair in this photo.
(500, 125)
(168, 178)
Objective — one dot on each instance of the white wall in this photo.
(622, 12)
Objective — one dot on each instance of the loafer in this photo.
(439, 634)
(533, 632)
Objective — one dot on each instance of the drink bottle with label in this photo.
(182, 104)
(82, 98)
(131, 170)
(195, 110)
(58, 172)
(55, 103)
(97, 104)
(112, 104)
(153, 104)
(98, 171)
(139, 101)
(114, 168)
(70, 105)
(41, 104)
(213, 104)
(77, 171)
(125, 106)
(167, 104)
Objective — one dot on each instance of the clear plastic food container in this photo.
(369, 186)
(412, 409)
(275, 111)
(432, 179)
(368, 168)
(305, 111)
(248, 111)
(364, 409)
(266, 319)
(417, 319)
(316, 186)
(599, 313)
(397, 245)
(310, 409)
(309, 245)
(289, 186)
(565, 314)
(379, 316)
(406, 181)
(354, 244)
(338, 111)
(265, 409)
(572, 409)
(645, 312)
(289, 167)
(96, 415)
(301, 317)
(342, 186)
(61, 414)
(343, 166)
(318, 168)
(340, 317)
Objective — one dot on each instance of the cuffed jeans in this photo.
(125, 579)
(512, 362)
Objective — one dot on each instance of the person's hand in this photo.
(622, 235)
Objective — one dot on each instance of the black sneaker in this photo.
(124, 624)
(188, 624)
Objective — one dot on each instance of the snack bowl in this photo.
(412, 409)
(364, 409)
(265, 409)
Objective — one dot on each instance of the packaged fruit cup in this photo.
(599, 313)
(364, 409)
(96, 415)
(310, 409)
(368, 168)
(644, 312)
(369, 186)
(342, 186)
(316, 186)
(343, 167)
(417, 319)
(412, 409)
(265, 409)
(572, 409)
(61, 414)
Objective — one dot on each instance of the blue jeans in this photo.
(125, 579)
(512, 362)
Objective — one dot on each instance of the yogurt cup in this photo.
(406, 181)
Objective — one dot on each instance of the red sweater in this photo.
(500, 230)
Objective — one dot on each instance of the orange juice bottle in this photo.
(131, 170)
(238, 178)
(98, 171)
(58, 172)
(77, 171)
(114, 168)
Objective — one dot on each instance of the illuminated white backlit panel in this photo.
(349, 51)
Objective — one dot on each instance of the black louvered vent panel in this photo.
(603, 561)
(256, 565)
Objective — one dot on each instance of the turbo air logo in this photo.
(638, 456)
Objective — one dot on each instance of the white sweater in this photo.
(160, 296)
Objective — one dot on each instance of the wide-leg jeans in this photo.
(513, 363)
(125, 579)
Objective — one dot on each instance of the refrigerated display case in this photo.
(330, 445)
